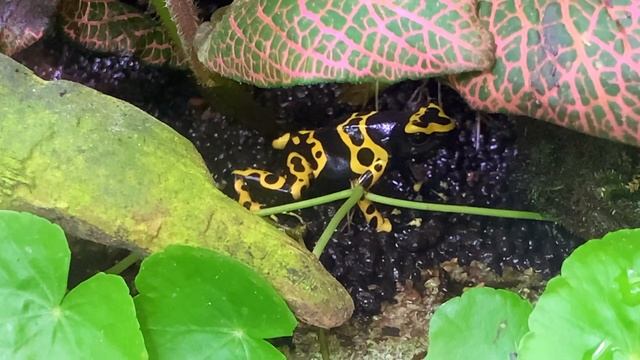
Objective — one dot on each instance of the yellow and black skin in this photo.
(360, 148)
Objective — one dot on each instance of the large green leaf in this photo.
(288, 42)
(591, 311)
(23, 22)
(112, 173)
(483, 323)
(575, 63)
(197, 303)
(95, 320)
(113, 26)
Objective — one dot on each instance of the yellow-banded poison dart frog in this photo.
(359, 148)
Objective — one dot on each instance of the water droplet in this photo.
(604, 351)
(629, 283)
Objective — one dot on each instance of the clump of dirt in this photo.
(400, 331)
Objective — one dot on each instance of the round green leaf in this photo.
(198, 303)
(591, 311)
(96, 319)
(483, 323)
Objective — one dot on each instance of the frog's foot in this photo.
(373, 216)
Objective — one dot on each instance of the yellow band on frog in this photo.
(416, 123)
(281, 142)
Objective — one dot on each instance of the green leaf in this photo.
(592, 310)
(574, 63)
(197, 303)
(484, 323)
(289, 42)
(96, 319)
(114, 26)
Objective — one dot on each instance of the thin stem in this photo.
(324, 343)
(461, 209)
(356, 194)
(124, 264)
(305, 203)
(377, 93)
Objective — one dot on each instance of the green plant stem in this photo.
(324, 343)
(305, 203)
(124, 264)
(356, 194)
(461, 209)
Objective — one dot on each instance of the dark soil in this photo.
(473, 170)
(589, 184)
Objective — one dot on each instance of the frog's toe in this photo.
(252, 205)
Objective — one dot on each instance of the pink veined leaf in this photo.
(289, 42)
(23, 22)
(574, 63)
(112, 26)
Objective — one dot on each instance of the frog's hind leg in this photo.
(300, 174)
(373, 216)
(291, 185)
(250, 180)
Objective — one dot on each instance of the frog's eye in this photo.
(418, 139)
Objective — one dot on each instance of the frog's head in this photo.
(426, 129)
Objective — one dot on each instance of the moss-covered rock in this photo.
(109, 172)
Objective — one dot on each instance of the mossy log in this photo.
(109, 172)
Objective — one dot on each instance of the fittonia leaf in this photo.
(113, 26)
(95, 320)
(591, 311)
(483, 323)
(198, 303)
(23, 22)
(287, 42)
(575, 63)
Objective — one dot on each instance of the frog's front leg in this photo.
(371, 214)
(293, 183)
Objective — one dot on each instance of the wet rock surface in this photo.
(474, 169)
